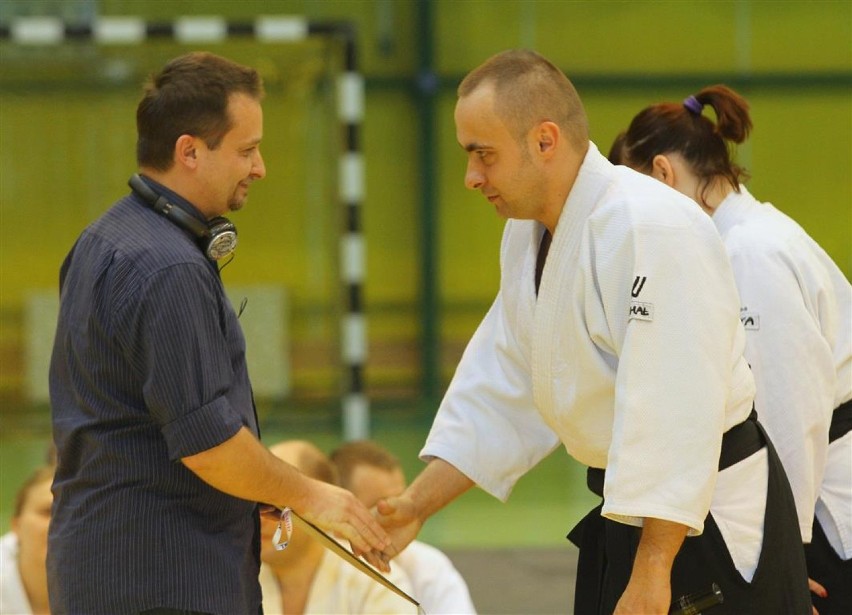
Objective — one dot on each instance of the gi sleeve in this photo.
(487, 425)
(173, 332)
(671, 302)
(790, 317)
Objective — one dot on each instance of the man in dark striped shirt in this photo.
(159, 464)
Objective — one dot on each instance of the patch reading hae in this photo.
(641, 311)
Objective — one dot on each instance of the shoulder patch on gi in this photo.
(641, 311)
(750, 320)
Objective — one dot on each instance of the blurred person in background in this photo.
(372, 472)
(23, 551)
(159, 464)
(616, 332)
(796, 307)
(305, 577)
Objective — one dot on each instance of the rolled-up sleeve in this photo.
(176, 334)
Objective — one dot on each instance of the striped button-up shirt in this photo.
(148, 367)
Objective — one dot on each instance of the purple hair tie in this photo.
(692, 105)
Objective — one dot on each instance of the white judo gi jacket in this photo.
(631, 355)
(13, 595)
(436, 583)
(339, 588)
(797, 313)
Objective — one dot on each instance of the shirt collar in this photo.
(174, 198)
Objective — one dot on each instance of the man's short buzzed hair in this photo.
(307, 458)
(350, 455)
(528, 90)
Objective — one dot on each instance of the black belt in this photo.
(738, 443)
(841, 421)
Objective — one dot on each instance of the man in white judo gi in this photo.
(616, 332)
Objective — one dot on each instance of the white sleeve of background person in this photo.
(437, 584)
(789, 311)
(843, 346)
(13, 596)
(487, 425)
(834, 507)
(681, 380)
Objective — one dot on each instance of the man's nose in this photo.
(473, 179)
(258, 168)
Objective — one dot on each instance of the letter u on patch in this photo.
(638, 283)
(641, 311)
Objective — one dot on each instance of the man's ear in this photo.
(661, 169)
(186, 151)
(547, 137)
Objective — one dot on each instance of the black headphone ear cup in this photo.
(222, 238)
(217, 237)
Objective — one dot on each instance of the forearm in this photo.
(242, 467)
(403, 516)
(649, 588)
(436, 486)
(660, 542)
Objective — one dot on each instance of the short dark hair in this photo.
(350, 455)
(530, 89)
(189, 96)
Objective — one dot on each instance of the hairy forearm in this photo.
(649, 588)
(241, 466)
(436, 486)
(660, 542)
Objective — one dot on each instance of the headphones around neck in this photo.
(217, 238)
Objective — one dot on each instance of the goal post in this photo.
(115, 31)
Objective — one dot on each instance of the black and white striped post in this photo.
(40, 31)
(350, 111)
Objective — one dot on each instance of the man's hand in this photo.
(398, 517)
(242, 467)
(403, 516)
(337, 511)
(648, 596)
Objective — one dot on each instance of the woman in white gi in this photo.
(796, 307)
(23, 551)
(616, 332)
